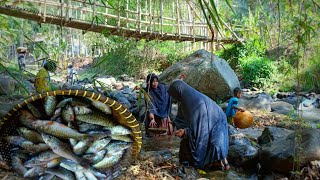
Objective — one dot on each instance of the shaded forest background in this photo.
(280, 49)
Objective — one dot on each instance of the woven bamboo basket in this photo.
(9, 124)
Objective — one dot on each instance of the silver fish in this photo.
(95, 158)
(98, 145)
(90, 176)
(82, 146)
(35, 112)
(58, 130)
(109, 160)
(74, 167)
(101, 106)
(34, 172)
(73, 142)
(67, 114)
(49, 105)
(114, 147)
(26, 118)
(97, 119)
(80, 110)
(53, 163)
(64, 103)
(17, 166)
(84, 127)
(41, 159)
(124, 138)
(47, 177)
(61, 173)
(30, 135)
(80, 175)
(27, 145)
(56, 114)
(61, 148)
(119, 130)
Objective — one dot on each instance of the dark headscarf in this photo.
(207, 129)
(160, 100)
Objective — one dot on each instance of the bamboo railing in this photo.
(132, 18)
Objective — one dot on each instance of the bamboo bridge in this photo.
(178, 20)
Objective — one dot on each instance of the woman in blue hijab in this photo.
(159, 106)
(205, 136)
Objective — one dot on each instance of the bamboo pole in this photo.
(161, 17)
(150, 14)
(119, 19)
(178, 18)
(127, 14)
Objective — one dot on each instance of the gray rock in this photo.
(7, 85)
(293, 100)
(273, 133)
(232, 130)
(256, 102)
(308, 102)
(124, 101)
(205, 72)
(279, 155)
(5, 107)
(239, 139)
(252, 133)
(243, 155)
(281, 107)
(108, 81)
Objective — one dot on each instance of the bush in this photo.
(233, 54)
(258, 71)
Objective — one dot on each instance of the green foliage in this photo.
(258, 72)
(310, 75)
(234, 53)
(138, 58)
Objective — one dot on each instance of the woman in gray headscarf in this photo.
(206, 133)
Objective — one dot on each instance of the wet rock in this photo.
(7, 85)
(281, 107)
(279, 155)
(232, 130)
(243, 155)
(206, 72)
(107, 80)
(252, 133)
(156, 157)
(273, 133)
(118, 86)
(5, 107)
(239, 139)
(125, 77)
(293, 100)
(124, 101)
(256, 102)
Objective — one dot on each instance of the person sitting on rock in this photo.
(158, 105)
(205, 140)
(232, 107)
(42, 79)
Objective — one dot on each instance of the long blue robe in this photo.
(207, 131)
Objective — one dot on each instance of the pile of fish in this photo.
(68, 138)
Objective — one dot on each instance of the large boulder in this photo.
(205, 72)
(7, 85)
(272, 134)
(243, 155)
(282, 107)
(280, 155)
(260, 101)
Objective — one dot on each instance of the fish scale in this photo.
(97, 118)
(92, 123)
(58, 129)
